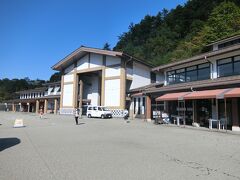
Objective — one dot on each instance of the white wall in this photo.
(68, 95)
(83, 63)
(68, 78)
(112, 92)
(141, 75)
(110, 60)
(113, 71)
(91, 90)
(96, 60)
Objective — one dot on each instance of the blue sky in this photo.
(34, 35)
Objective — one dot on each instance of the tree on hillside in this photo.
(9, 87)
(55, 77)
(106, 46)
(155, 38)
(223, 22)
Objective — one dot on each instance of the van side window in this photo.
(95, 108)
(90, 108)
(100, 109)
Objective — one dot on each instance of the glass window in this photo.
(90, 108)
(180, 76)
(225, 70)
(206, 65)
(237, 58)
(100, 109)
(153, 77)
(191, 75)
(95, 108)
(237, 67)
(134, 106)
(143, 104)
(224, 61)
(203, 73)
(139, 99)
(171, 77)
(191, 68)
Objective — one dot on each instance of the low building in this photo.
(45, 98)
(203, 87)
(101, 77)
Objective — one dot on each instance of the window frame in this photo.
(175, 74)
(232, 62)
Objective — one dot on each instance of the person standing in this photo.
(41, 112)
(76, 115)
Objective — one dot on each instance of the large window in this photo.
(193, 73)
(229, 43)
(139, 100)
(153, 77)
(229, 66)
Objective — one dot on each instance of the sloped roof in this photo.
(198, 57)
(80, 52)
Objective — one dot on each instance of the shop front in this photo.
(208, 108)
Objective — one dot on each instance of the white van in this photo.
(98, 111)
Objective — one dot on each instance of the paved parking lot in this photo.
(55, 148)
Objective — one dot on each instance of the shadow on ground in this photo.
(80, 124)
(8, 142)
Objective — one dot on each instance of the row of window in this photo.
(225, 67)
(229, 43)
(228, 66)
(193, 73)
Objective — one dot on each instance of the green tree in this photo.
(178, 33)
(55, 77)
(106, 46)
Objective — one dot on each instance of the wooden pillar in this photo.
(123, 85)
(55, 106)
(13, 107)
(235, 115)
(194, 109)
(103, 82)
(62, 88)
(37, 106)
(148, 108)
(45, 106)
(80, 93)
(75, 88)
(28, 105)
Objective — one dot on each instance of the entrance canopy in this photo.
(206, 94)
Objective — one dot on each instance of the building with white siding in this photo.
(93, 76)
(44, 99)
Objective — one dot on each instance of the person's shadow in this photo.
(8, 142)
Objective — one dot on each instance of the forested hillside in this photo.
(8, 87)
(182, 32)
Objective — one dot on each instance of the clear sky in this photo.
(36, 34)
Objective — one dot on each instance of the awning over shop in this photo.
(137, 94)
(207, 94)
(235, 92)
(172, 96)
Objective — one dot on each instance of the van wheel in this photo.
(89, 116)
(102, 116)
